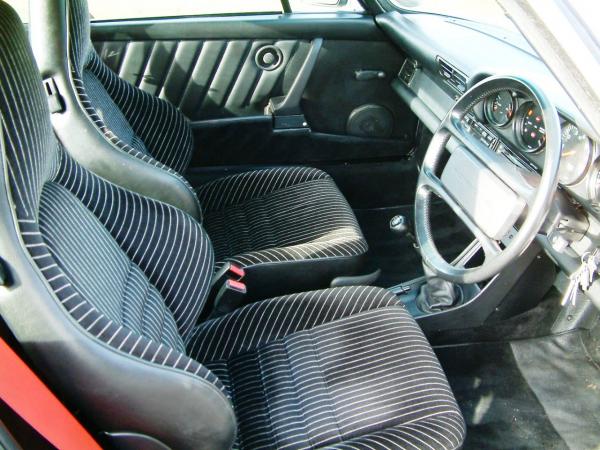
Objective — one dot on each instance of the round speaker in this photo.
(268, 57)
(370, 121)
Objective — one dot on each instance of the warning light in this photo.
(530, 112)
(533, 135)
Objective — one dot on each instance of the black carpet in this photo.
(565, 378)
(500, 409)
(528, 394)
(395, 255)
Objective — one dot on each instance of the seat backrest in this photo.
(112, 128)
(106, 285)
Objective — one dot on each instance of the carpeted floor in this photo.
(395, 255)
(539, 393)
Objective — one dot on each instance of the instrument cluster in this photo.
(519, 124)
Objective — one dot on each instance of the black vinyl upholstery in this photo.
(287, 215)
(107, 290)
(208, 78)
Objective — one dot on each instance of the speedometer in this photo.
(499, 108)
(575, 156)
(530, 127)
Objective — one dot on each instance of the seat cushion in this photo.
(291, 223)
(344, 367)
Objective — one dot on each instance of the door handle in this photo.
(366, 75)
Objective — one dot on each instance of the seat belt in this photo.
(29, 397)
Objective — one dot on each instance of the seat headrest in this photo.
(31, 149)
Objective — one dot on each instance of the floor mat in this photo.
(528, 394)
(395, 255)
(500, 409)
(566, 380)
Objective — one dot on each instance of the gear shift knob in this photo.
(399, 224)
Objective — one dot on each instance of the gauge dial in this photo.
(499, 109)
(575, 156)
(530, 127)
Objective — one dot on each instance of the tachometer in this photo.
(499, 108)
(576, 154)
(530, 127)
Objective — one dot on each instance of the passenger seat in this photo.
(290, 228)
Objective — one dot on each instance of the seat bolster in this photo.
(119, 392)
(268, 320)
(443, 432)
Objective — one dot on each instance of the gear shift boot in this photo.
(438, 295)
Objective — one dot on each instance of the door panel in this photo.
(207, 67)
(206, 79)
(334, 93)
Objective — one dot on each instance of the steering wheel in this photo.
(534, 192)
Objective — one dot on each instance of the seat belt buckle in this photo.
(229, 298)
(228, 271)
(236, 273)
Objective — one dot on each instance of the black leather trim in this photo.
(110, 389)
(79, 135)
(206, 78)
(268, 26)
(126, 440)
(269, 280)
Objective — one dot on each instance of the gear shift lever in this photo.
(437, 294)
(399, 224)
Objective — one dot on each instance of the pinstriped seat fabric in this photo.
(258, 218)
(343, 368)
(251, 220)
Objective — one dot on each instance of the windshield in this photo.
(482, 11)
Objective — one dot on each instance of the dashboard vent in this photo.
(451, 75)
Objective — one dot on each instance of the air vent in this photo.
(451, 75)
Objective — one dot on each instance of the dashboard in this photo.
(511, 124)
(439, 68)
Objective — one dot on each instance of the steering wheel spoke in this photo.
(490, 247)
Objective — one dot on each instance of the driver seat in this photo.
(104, 295)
